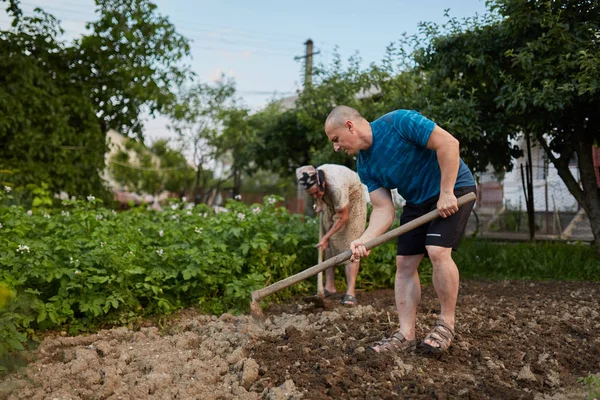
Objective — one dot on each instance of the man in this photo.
(406, 151)
(338, 194)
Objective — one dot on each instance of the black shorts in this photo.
(443, 232)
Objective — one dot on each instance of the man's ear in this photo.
(350, 125)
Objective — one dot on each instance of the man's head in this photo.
(312, 180)
(348, 130)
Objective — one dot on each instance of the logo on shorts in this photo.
(435, 234)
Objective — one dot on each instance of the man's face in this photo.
(315, 192)
(344, 138)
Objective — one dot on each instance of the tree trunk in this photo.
(237, 182)
(527, 181)
(588, 195)
(531, 205)
(591, 192)
(197, 190)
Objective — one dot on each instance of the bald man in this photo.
(405, 151)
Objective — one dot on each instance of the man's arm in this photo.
(380, 221)
(341, 217)
(447, 149)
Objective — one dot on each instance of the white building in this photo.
(549, 191)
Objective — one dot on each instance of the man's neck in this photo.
(367, 137)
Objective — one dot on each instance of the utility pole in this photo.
(308, 63)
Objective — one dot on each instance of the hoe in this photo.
(259, 294)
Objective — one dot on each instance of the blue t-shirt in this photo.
(398, 158)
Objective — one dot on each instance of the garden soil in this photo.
(515, 340)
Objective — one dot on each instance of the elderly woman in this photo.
(339, 195)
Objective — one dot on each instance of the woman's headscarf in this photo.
(308, 176)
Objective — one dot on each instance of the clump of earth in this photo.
(515, 340)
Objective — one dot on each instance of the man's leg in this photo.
(330, 280)
(351, 274)
(407, 292)
(445, 282)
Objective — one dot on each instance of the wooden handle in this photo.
(320, 290)
(340, 258)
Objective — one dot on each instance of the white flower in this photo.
(204, 215)
(272, 200)
(91, 198)
(29, 212)
(159, 252)
(23, 248)
(256, 210)
(7, 189)
(174, 206)
(46, 215)
(99, 217)
(238, 197)
(184, 199)
(114, 212)
(102, 244)
(139, 230)
(241, 216)
(65, 213)
(189, 212)
(1, 225)
(77, 272)
(198, 230)
(161, 233)
(174, 216)
(189, 206)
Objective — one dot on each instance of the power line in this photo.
(251, 45)
(189, 26)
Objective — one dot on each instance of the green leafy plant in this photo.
(592, 383)
(85, 265)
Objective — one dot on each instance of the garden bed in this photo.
(517, 339)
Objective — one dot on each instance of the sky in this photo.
(255, 42)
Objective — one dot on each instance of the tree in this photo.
(58, 100)
(281, 142)
(151, 170)
(235, 143)
(131, 63)
(287, 139)
(48, 130)
(531, 67)
(196, 119)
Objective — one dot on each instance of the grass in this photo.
(481, 259)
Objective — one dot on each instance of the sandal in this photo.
(397, 343)
(348, 300)
(442, 334)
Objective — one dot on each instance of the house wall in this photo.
(549, 191)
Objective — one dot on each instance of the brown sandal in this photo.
(397, 343)
(442, 334)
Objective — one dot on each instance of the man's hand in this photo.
(447, 204)
(358, 250)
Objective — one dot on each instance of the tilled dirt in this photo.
(516, 340)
